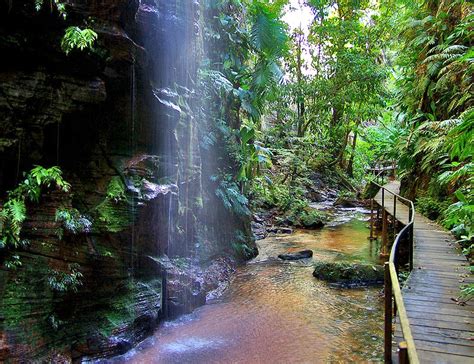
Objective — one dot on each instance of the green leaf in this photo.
(460, 196)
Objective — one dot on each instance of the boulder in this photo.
(280, 230)
(313, 224)
(303, 254)
(347, 202)
(349, 274)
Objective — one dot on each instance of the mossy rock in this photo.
(349, 274)
(307, 218)
(312, 219)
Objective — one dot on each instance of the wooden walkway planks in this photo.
(443, 330)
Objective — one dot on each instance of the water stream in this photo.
(277, 312)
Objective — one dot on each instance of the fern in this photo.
(116, 189)
(14, 213)
(268, 33)
(12, 217)
(436, 96)
(232, 199)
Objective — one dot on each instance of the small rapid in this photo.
(277, 312)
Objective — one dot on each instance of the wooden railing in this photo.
(379, 169)
(393, 296)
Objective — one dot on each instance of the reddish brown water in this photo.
(276, 312)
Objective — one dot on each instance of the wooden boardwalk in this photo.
(443, 330)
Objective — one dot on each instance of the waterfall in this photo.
(133, 110)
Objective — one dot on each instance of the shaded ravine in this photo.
(277, 312)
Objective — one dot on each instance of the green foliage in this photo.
(72, 221)
(68, 281)
(300, 214)
(430, 207)
(116, 189)
(38, 178)
(467, 292)
(13, 213)
(77, 38)
(12, 216)
(113, 217)
(290, 202)
(312, 218)
(13, 263)
(248, 46)
(233, 200)
(74, 36)
(241, 248)
(243, 251)
(348, 273)
(346, 195)
(460, 217)
(113, 213)
(252, 154)
(58, 4)
(434, 112)
(269, 40)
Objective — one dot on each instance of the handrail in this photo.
(381, 171)
(392, 286)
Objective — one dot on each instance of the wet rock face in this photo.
(33, 100)
(189, 285)
(106, 310)
(74, 111)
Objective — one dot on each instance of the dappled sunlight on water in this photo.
(347, 241)
(276, 312)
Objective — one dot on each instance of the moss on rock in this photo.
(349, 274)
(306, 217)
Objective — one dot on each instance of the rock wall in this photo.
(121, 115)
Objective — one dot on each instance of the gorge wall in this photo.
(125, 123)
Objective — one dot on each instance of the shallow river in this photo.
(277, 312)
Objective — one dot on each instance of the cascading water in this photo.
(133, 108)
(169, 37)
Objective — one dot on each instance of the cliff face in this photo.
(122, 115)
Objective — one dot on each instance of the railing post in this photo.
(384, 233)
(371, 219)
(394, 215)
(411, 240)
(383, 198)
(388, 314)
(403, 353)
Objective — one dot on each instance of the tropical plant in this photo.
(72, 221)
(68, 281)
(229, 193)
(252, 153)
(74, 37)
(436, 107)
(14, 213)
(77, 38)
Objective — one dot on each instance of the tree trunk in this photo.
(350, 164)
(299, 79)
